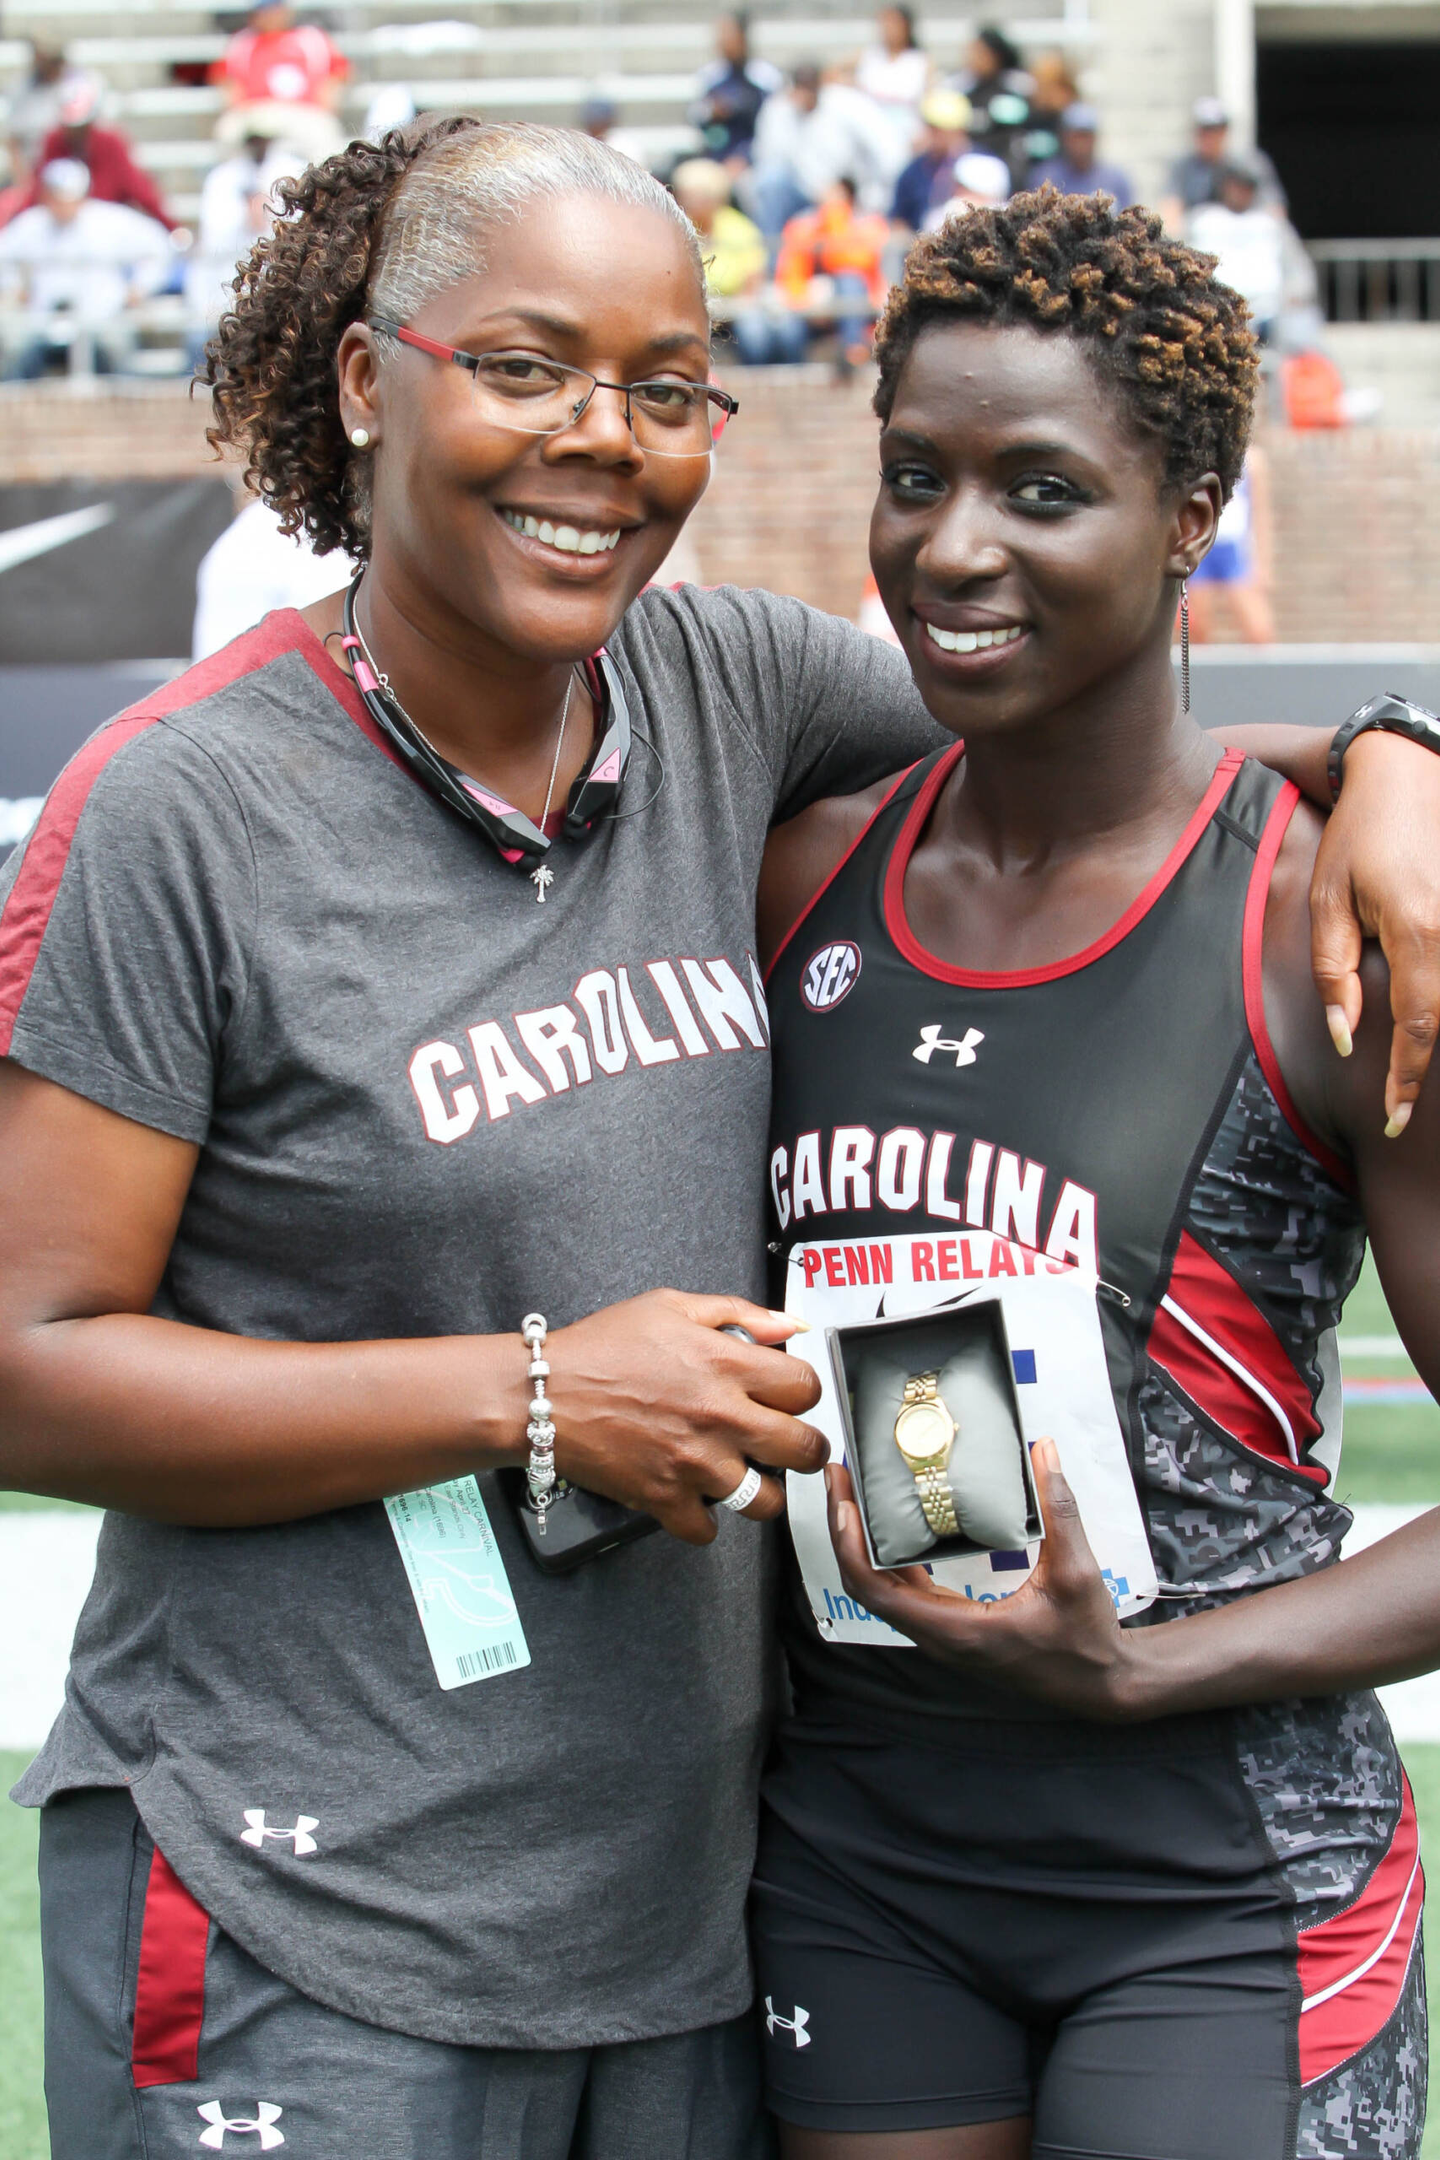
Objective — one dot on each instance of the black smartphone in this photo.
(579, 1525)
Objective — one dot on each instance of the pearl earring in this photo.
(360, 436)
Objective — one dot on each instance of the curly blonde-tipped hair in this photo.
(1174, 343)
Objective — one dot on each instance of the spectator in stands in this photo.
(1235, 575)
(830, 268)
(1247, 240)
(236, 206)
(1076, 170)
(600, 120)
(831, 260)
(979, 179)
(77, 268)
(732, 246)
(1195, 178)
(33, 110)
(929, 178)
(296, 68)
(730, 92)
(999, 90)
(806, 137)
(79, 138)
(1054, 89)
(895, 71)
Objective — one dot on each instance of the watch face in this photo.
(924, 1432)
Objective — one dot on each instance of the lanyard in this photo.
(593, 794)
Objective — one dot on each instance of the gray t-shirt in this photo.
(424, 1106)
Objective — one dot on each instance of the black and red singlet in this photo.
(1122, 1108)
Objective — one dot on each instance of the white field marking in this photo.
(22, 543)
(46, 1562)
(17, 815)
(1374, 1346)
(1413, 1706)
(47, 1559)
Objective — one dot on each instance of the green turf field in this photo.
(1391, 1454)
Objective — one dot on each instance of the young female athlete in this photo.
(342, 1031)
(1057, 1886)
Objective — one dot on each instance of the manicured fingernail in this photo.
(1049, 1454)
(797, 1327)
(1339, 1029)
(842, 1517)
(1395, 1125)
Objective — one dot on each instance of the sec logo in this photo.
(829, 975)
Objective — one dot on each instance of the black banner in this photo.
(96, 570)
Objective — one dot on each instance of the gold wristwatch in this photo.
(925, 1434)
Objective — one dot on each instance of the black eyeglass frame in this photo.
(726, 405)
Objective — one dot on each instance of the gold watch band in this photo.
(938, 1501)
(931, 1482)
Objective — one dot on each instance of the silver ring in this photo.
(744, 1492)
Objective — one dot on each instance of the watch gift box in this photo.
(931, 1416)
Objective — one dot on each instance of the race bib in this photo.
(461, 1590)
(1062, 1384)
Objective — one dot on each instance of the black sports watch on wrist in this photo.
(1394, 715)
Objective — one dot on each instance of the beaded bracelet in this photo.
(540, 1432)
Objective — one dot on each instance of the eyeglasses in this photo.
(540, 397)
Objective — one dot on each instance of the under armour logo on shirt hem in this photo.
(261, 2124)
(299, 1833)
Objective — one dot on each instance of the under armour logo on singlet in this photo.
(299, 1832)
(932, 1040)
(261, 2124)
(794, 2025)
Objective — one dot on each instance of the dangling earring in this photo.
(1184, 645)
(360, 436)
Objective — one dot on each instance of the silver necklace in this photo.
(542, 877)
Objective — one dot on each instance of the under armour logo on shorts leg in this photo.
(299, 1833)
(795, 2026)
(261, 2124)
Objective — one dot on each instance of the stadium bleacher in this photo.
(523, 59)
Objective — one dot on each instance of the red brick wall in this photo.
(1356, 514)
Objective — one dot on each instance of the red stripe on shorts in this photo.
(170, 1989)
(1353, 1967)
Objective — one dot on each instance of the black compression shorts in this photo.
(1096, 1929)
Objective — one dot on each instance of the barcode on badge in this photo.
(457, 1578)
(475, 1664)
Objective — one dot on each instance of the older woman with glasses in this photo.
(382, 983)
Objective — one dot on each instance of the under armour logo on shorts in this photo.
(795, 2026)
(299, 1833)
(261, 2124)
(932, 1040)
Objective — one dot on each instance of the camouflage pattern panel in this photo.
(1324, 1775)
(1373, 2106)
(1291, 1237)
(1221, 1519)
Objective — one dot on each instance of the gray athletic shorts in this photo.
(188, 2046)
